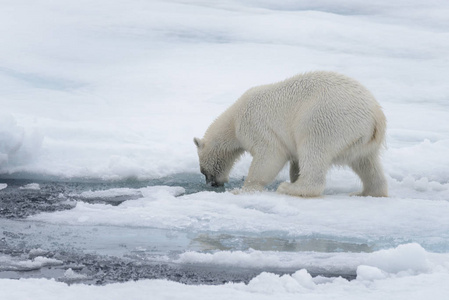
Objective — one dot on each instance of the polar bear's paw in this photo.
(381, 193)
(284, 188)
(294, 189)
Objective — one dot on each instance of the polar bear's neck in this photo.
(221, 137)
(221, 133)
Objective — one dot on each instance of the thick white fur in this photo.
(313, 120)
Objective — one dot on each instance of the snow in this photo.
(117, 91)
(16, 264)
(409, 258)
(310, 260)
(69, 274)
(31, 186)
(110, 193)
(17, 146)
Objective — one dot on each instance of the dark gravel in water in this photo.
(17, 202)
(100, 270)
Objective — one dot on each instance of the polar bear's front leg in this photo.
(263, 170)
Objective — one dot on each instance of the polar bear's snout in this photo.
(212, 166)
(211, 179)
(213, 182)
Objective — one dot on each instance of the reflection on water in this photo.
(211, 242)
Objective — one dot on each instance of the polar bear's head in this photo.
(214, 163)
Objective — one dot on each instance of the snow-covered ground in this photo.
(117, 90)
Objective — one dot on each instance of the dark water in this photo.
(105, 254)
(16, 202)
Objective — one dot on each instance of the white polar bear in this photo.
(313, 120)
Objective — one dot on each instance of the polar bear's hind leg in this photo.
(370, 171)
(311, 168)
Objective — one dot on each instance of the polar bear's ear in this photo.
(199, 143)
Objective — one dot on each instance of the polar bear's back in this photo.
(316, 89)
(323, 103)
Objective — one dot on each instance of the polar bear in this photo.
(312, 120)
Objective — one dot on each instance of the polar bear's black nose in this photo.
(216, 184)
(213, 182)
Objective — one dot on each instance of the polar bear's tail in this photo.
(380, 127)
